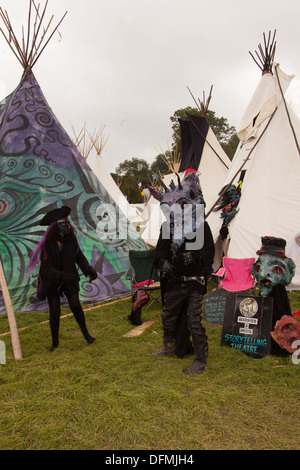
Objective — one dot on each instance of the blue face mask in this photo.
(64, 226)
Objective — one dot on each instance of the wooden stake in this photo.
(138, 330)
(11, 317)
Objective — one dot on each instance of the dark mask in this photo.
(64, 226)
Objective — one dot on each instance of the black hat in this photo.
(55, 215)
(272, 246)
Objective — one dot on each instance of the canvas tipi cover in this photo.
(41, 169)
(97, 165)
(269, 153)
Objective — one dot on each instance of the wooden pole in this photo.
(241, 167)
(11, 317)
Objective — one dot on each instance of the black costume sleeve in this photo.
(49, 272)
(162, 250)
(207, 252)
(81, 261)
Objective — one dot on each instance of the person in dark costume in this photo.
(59, 253)
(184, 266)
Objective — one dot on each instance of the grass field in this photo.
(114, 394)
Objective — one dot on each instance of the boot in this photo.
(168, 349)
(200, 360)
(89, 338)
(82, 325)
(53, 347)
(196, 368)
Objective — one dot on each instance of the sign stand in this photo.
(11, 317)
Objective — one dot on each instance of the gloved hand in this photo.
(224, 232)
(166, 270)
(92, 274)
(188, 258)
(67, 278)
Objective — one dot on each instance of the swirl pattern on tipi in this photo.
(40, 170)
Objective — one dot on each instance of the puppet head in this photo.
(272, 267)
(183, 206)
(287, 333)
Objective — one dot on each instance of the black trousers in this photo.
(55, 311)
(179, 298)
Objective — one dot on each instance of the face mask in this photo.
(270, 270)
(64, 226)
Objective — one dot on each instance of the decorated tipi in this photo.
(267, 161)
(41, 169)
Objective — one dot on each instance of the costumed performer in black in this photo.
(185, 265)
(59, 253)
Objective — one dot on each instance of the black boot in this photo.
(196, 368)
(53, 347)
(80, 318)
(168, 349)
(89, 338)
(200, 360)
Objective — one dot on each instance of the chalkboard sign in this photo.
(214, 306)
(247, 323)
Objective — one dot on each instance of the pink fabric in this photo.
(220, 272)
(237, 276)
(143, 283)
(35, 255)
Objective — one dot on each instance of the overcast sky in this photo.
(126, 64)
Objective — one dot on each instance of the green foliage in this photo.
(129, 172)
(127, 175)
(114, 394)
(133, 167)
(225, 133)
(159, 165)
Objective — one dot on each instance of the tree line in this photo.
(129, 172)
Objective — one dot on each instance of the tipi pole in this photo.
(287, 112)
(11, 317)
(202, 133)
(241, 167)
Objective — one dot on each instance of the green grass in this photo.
(114, 394)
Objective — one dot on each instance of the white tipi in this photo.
(269, 154)
(91, 147)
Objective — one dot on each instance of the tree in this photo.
(135, 166)
(130, 171)
(127, 175)
(159, 165)
(225, 133)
